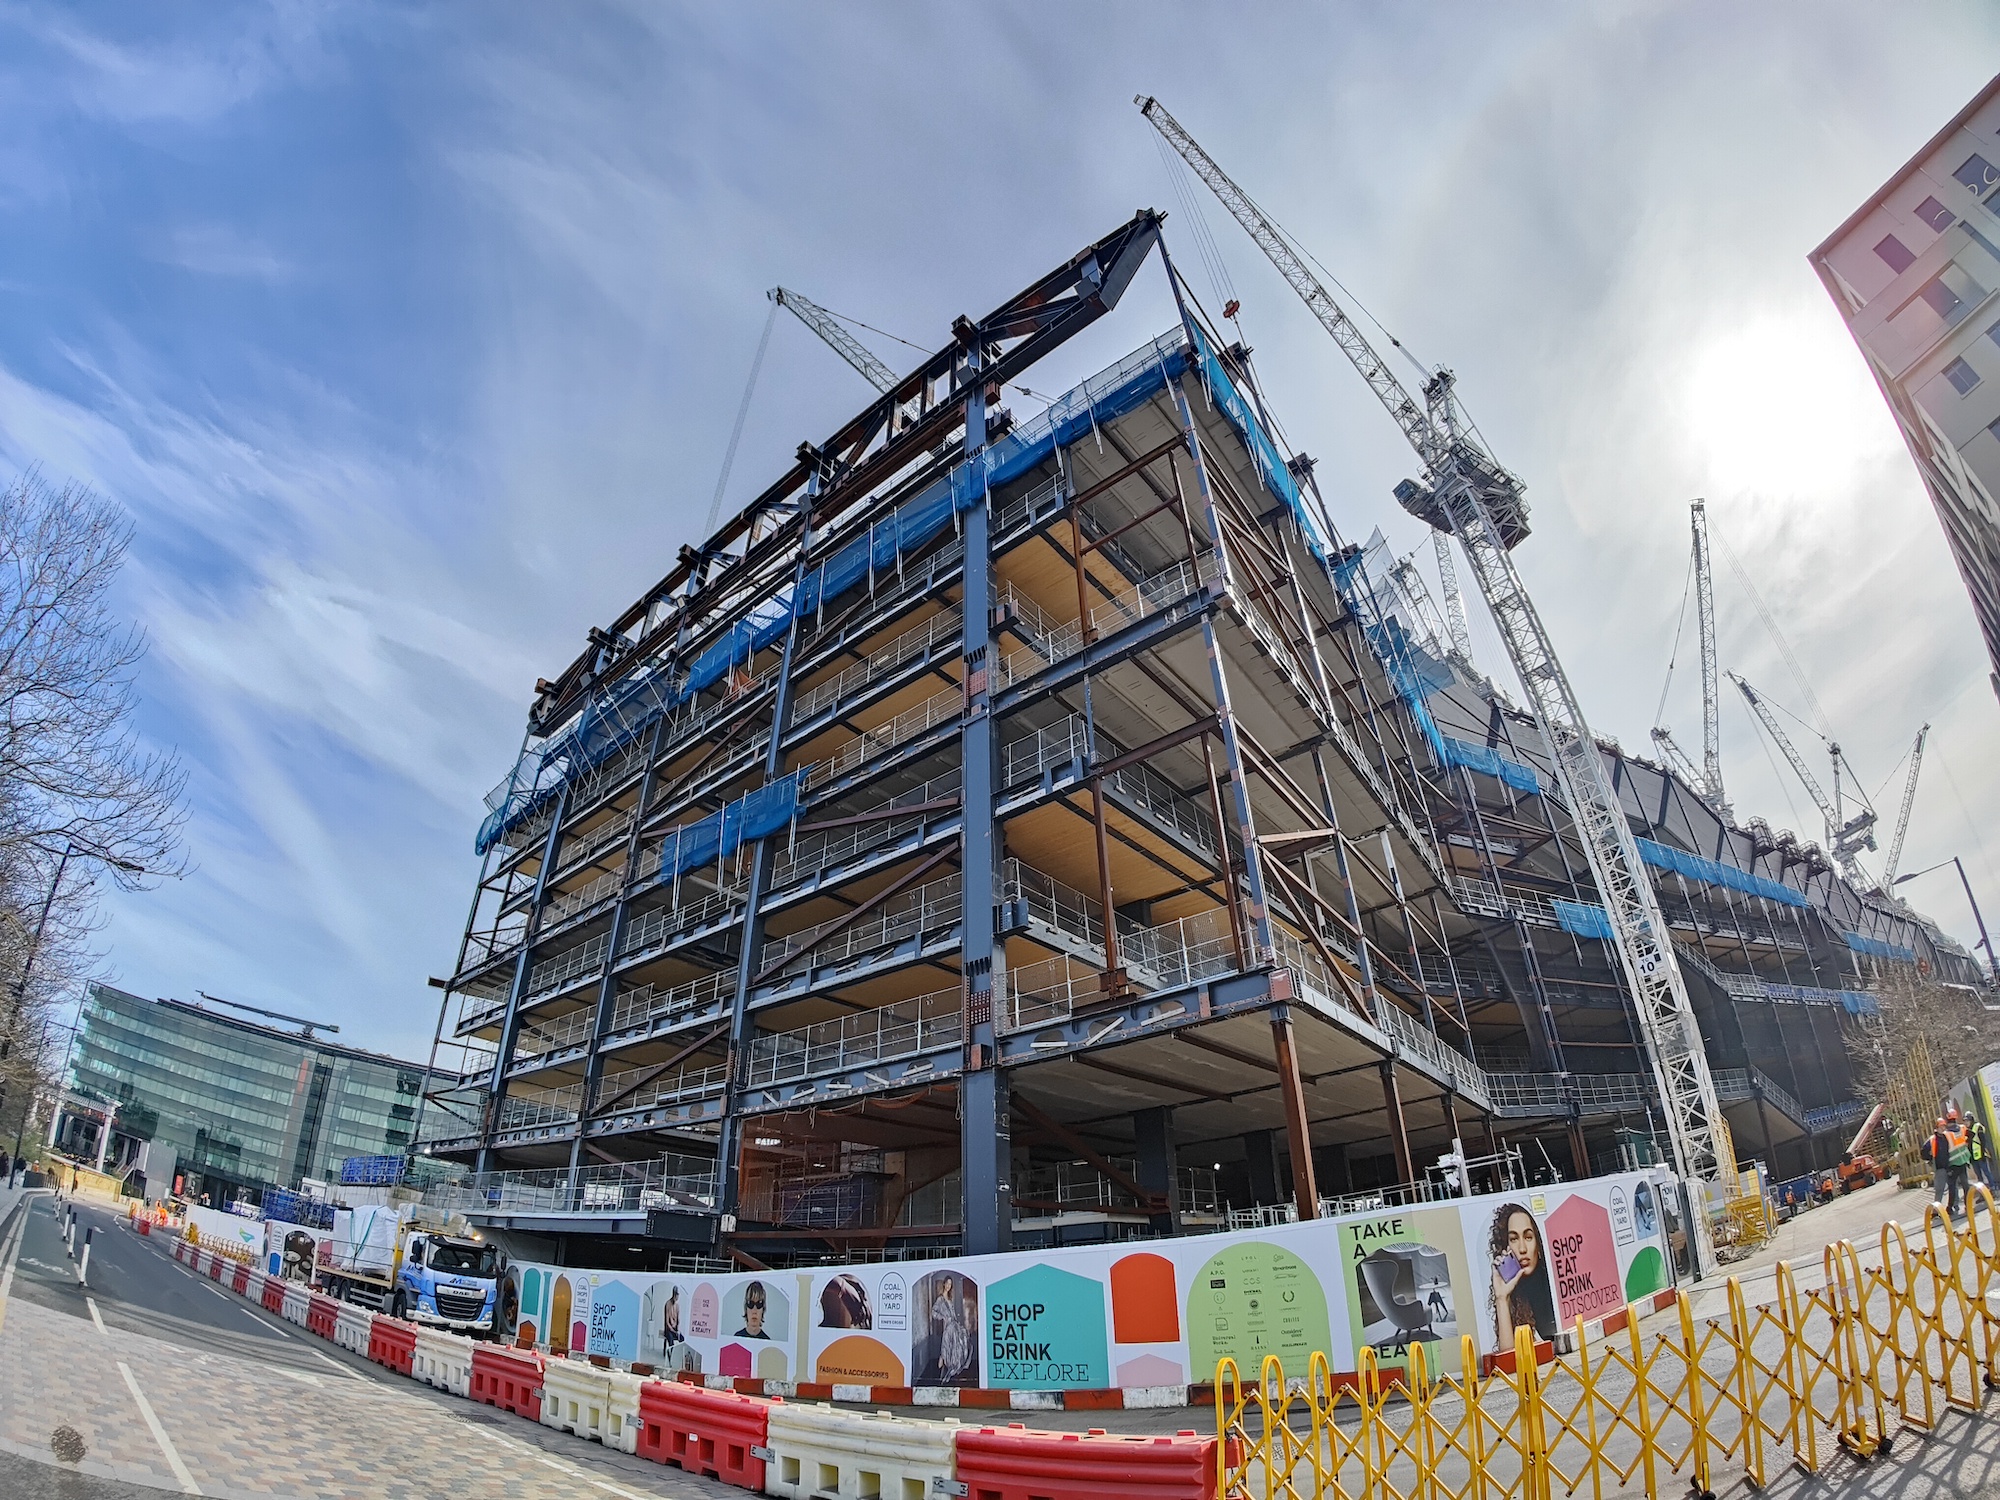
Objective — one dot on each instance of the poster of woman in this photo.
(945, 1350)
(1520, 1295)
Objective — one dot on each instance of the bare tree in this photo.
(80, 796)
(1926, 1038)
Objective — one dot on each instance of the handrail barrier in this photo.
(1866, 1354)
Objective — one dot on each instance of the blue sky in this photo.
(411, 338)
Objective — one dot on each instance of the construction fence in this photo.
(1849, 1355)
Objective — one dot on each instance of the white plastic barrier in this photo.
(351, 1328)
(443, 1360)
(298, 1301)
(826, 1451)
(253, 1287)
(621, 1416)
(576, 1397)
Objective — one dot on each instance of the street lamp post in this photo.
(28, 967)
(1992, 964)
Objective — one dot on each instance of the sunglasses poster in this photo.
(1139, 1314)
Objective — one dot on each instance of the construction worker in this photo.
(1958, 1159)
(1982, 1153)
(1937, 1151)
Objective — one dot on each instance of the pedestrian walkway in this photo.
(169, 1416)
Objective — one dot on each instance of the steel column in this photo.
(985, 1132)
(510, 1024)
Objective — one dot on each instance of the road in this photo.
(167, 1382)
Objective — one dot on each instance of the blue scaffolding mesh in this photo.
(1714, 872)
(1876, 948)
(1584, 918)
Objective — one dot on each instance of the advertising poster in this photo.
(1154, 1313)
(1252, 1298)
(227, 1234)
(1044, 1330)
(1406, 1282)
(294, 1251)
(862, 1325)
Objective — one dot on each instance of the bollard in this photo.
(83, 1265)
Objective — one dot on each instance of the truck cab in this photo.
(448, 1280)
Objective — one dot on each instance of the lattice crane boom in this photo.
(1454, 601)
(1676, 758)
(1903, 817)
(843, 343)
(1711, 705)
(1843, 837)
(1478, 501)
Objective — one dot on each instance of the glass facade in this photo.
(243, 1105)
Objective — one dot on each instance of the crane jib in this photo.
(1473, 497)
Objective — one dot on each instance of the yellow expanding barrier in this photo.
(1867, 1352)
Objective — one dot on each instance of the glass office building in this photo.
(238, 1106)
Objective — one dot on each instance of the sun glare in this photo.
(1782, 405)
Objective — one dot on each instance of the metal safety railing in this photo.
(912, 644)
(645, 1086)
(1876, 1348)
(620, 1187)
(901, 1029)
(928, 907)
(651, 1002)
(810, 853)
(865, 746)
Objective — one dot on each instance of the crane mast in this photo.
(1454, 602)
(1903, 817)
(1711, 727)
(1843, 838)
(1470, 495)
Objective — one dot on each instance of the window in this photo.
(1994, 428)
(1943, 300)
(1896, 253)
(1993, 333)
(1935, 214)
(1977, 173)
(1964, 379)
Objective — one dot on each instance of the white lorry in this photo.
(388, 1258)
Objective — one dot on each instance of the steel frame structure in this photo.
(1112, 839)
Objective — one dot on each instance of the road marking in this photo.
(317, 1354)
(12, 1254)
(91, 1303)
(188, 1486)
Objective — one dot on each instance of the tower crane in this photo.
(1707, 781)
(1903, 817)
(1711, 728)
(1454, 602)
(1844, 836)
(843, 343)
(1404, 575)
(1469, 494)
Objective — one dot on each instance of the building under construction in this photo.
(1019, 832)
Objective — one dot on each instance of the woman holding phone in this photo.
(1521, 1294)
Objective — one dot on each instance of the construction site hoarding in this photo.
(1146, 1313)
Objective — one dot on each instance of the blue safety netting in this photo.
(1415, 673)
(1859, 1003)
(1584, 918)
(1714, 872)
(752, 816)
(613, 721)
(1876, 948)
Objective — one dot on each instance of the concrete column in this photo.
(1158, 1166)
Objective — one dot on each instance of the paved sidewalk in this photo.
(238, 1427)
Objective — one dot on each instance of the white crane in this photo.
(1711, 705)
(1707, 781)
(1454, 602)
(1473, 497)
(1903, 818)
(1844, 836)
(843, 343)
